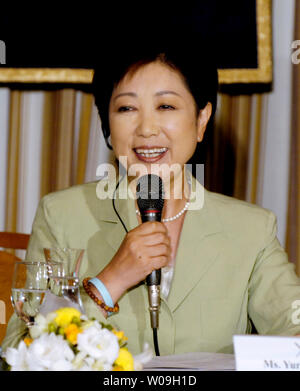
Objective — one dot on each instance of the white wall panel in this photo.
(30, 158)
(274, 191)
(98, 152)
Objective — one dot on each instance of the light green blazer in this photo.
(230, 268)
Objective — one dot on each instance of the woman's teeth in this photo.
(150, 152)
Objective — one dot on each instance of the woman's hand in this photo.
(144, 249)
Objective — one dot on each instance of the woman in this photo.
(223, 267)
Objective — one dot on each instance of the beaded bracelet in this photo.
(100, 303)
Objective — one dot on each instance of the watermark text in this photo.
(177, 182)
(2, 312)
(296, 53)
(2, 53)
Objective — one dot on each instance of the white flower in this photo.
(82, 362)
(141, 359)
(17, 358)
(99, 365)
(85, 368)
(50, 352)
(41, 324)
(100, 344)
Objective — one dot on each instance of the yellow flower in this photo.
(28, 341)
(71, 333)
(120, 335)
(125, 361)
(116, 368)
(65, 315)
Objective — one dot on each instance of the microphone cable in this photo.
(155, 339)
(113, 204)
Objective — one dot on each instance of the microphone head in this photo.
(150, 193)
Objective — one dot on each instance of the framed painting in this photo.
(63, 51)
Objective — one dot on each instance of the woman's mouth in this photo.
(150, 154)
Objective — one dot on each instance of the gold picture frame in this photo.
(262, 74)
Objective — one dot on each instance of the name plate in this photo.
(266, 353)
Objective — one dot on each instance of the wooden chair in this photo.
(15, 241)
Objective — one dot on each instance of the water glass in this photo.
(29, 285)
(63, 269)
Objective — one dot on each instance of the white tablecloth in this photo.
(193, 361)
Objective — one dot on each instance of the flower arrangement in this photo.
(66, 340)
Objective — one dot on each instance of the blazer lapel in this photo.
(114, 231)
(195, 254)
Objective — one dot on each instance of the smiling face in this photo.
(152, 117)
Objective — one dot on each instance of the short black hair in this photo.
(195, 62)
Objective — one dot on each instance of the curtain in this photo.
(50, 140)
(233, 155)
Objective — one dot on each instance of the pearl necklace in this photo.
(187, 204)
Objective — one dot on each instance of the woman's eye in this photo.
(166, 107)
(124, 108)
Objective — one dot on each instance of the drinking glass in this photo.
(29, 285)
(63, 270)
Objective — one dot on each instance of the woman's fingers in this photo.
(150, 227)
(155, 263)
(159, 262)
(157, 250)
(156, 238)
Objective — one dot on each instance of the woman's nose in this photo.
(147, 126)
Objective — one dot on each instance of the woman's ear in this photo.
(202, 120)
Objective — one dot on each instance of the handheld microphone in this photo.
(150, 201)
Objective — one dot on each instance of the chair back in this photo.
(15, 241)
